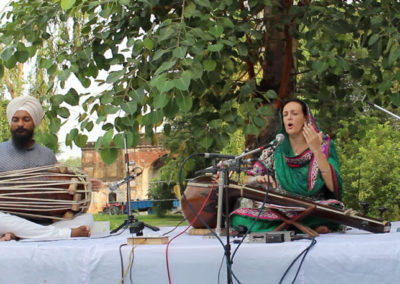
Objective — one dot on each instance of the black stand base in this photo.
(135, 226)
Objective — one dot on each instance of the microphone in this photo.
(217, 155)
(274, 143)
(271, 146)
(116, 184)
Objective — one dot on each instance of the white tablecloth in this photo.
(353, 257)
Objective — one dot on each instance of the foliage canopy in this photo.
(194, 65)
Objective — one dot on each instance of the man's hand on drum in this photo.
(8, 237)
(96, 184)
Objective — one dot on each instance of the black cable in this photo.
(255, 220)
(130, 269)
(180, 222)
(122, 262)
(220, 267)
(305, 252)
(181, 187)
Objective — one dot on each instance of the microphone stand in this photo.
(384, 110)
(223, 167)
(134, 225)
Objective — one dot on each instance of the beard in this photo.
(21, 137)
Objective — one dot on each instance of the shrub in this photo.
(369, 154)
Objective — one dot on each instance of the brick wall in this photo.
(144, 157)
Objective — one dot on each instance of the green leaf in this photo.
(160, 100)
(209, 64)
(247, 88)
(129, 107)
(64, 74)
(73, 133)
(183, 82)
(242, 50)
(251, 129)
(217, 30)
(63, 112)
(81, 140)
(184, 102)
(204, 3)
(159, 53)
(166, 33)
(11, 62)
(265, 110)
(180, 52)
(138, 95)
(119, 140)
(228, 23)
(22, 56)
(161, 83)
(342, 27)
(115, 76)
(7, 53)
(320, 66)
(373, 38)
(45, 63)
(166, 66)
(206, 142)
(156, 117)
(67, 4)
(72, 97)
(385, 85)
(259, 121)
(148, 43)
(396, 99)
(271, 94)
(376, 49)
(107, 138)
(215, 47)
(189, 10)
(394, 55)
(109, 155)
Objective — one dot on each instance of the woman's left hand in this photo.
(314, 140)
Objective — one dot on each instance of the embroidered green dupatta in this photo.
(300, 174)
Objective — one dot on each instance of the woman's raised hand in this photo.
(314, 140)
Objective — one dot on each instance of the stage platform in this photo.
(352, 257)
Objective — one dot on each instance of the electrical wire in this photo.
(191, 223)
(130, 270)
(220, 267)
(124, 273)
(228, 261)
(122, 263)
(177, 225)
(304, 253)
(254, 222)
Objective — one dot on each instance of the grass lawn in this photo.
(170, 219)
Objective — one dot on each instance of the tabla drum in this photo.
(48, 193)
(196, 193)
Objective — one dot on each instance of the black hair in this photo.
(302, 103)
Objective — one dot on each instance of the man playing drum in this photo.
(24, 113)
